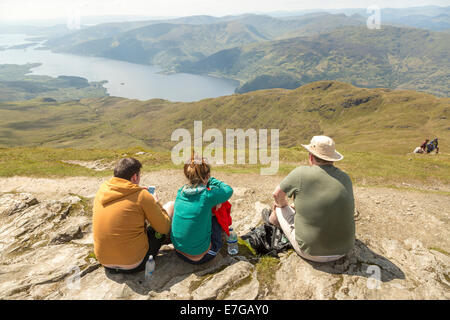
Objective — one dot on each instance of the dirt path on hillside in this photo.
(394, 214)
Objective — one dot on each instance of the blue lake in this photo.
(128, 80)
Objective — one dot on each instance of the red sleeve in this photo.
(223, 216)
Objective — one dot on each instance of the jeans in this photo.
(154, 244)
(216, 244)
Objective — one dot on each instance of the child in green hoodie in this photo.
(196, 234)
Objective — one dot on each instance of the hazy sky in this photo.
(49, 9)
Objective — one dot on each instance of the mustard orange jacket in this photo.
(119, 214)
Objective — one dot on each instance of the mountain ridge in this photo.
(391, 57)
(263, 52)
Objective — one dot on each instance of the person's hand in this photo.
(218, 206)
(274, 207)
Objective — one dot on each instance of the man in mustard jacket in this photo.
(129, 224)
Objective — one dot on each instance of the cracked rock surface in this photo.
(46, 248)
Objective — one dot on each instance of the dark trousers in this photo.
(154, 244)
(216, 244)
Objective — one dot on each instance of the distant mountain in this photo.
(359, 118)
(163, 44)
(316, 23)
(427, 17)
(391, 57)
(100, 31)
(58, 30)
(390, 13)
(439, 23)
(265, 52)
(169, 43)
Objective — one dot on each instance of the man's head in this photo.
(322, 151)
(128, 169)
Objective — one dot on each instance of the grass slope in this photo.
(357, 118)
(429, 173)
(376, 130)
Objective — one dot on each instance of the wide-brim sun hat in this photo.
(323, 147)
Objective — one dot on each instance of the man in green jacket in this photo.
(321, 228)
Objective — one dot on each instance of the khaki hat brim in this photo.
(334, 157)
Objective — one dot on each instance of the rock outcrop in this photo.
(46, 252)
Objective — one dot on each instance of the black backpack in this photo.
(267, 240)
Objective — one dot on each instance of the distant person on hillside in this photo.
(433, 145)
(418, 150)
(321, 227)
(129, 224)
(423, 146)
(196, 233)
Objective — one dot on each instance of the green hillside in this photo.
(359, 119)
(390, 57)
(17, 84)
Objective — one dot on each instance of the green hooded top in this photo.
(191, 224)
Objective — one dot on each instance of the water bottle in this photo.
(232, 241)
(149, 268)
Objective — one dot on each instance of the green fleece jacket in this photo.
(191, 224)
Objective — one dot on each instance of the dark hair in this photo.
(320, 161)
(126, 168)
